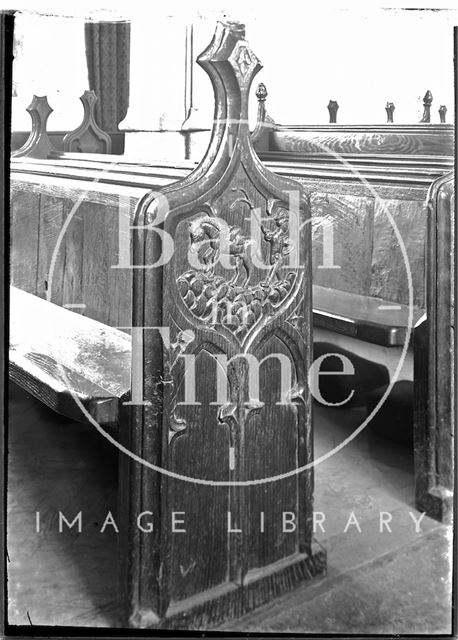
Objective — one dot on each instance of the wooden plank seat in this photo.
(56, 354)
(363, 317)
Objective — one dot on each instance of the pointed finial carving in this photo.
(332, 108)
(427, 101)
(389, 111)
(442, 112)
(229, 54)
(88, 137)
(38, 144)
(230, 63)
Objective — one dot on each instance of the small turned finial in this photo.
(389, 111)
(442, 112)
(264, 123)
(38, 144)
(427, 101)
(261, 92)
(332, 108)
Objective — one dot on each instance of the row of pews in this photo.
(83, 229)
(383, 198)
(88, 137)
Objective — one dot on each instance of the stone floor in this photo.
(386, 582)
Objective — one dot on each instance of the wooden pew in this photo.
(434, 343)
(340, 166)
(351, 173)
(88, 137)
(373, 277)
(346, 304)
(187, 463)
(369, 183)
(87, 201)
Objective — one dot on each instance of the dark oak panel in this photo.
(51, 219)
(81, 232)
(24, 240)
(240, 439)
(350, 221)
(435, 384)
(392, 165)
(396, 221)
(71, 252)
(199, 558)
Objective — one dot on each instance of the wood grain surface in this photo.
(362, 232)
(54, 353)
(407, 139)
(435, 385)
(399, 237)
(196, 581)
(351, 220)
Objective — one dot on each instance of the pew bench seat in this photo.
(363, 317)
(57, 354)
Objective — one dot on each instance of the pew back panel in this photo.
(370, 195)
(370, 221)
(65, 244)
(368, 185)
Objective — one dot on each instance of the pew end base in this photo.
(232, 600)
(437, 503)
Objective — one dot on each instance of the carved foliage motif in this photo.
(223, 267)
(238, 302)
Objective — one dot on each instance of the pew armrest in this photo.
(57, 354)
(363, 317)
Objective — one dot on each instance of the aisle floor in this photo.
(386, 582)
